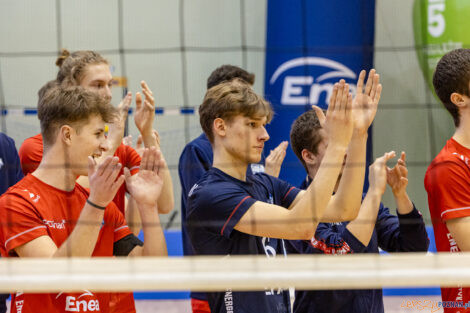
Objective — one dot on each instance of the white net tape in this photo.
(235, 273)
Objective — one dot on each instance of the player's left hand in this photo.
(366, 101)
(397, 177)
(378, 173)
(275, 159)
(139, 145)
(145, 186)
(145, 110)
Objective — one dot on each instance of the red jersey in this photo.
(33, 209)
(447, 183)
(129, 158)
(31, 155)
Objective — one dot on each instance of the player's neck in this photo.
(229, 165)
(312, 171)
(54, 171)
(462, 133)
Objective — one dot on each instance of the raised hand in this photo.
(116, 129)
(366, 101)
(145, 186)
(320, 114)
(378, 173)
(338, 121)
(275, 159)
(144, 111)
(139, 145)
(397, 177)
(103, 180)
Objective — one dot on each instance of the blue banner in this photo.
(310, 45)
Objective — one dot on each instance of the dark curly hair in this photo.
(452, 74)
(227, 73)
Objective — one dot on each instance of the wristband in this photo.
(95, 205)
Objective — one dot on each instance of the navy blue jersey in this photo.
(195, 160)
(10, 167)
(10, 174)
(216, 203)
(402, 233)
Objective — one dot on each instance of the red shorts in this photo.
(200, 306)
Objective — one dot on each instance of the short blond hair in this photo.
(228, 100)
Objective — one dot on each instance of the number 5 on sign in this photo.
(436, 21)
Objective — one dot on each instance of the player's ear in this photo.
(219, 127)
(309, 157)
(65, 134)
(458, 99)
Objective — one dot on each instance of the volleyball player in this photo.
(10, 174)
(230, 213)
(447, 179)
(373, 228)
(91, 71)
(196, 159)
(49, 215)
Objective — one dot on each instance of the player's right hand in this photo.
(275, 158)
(339, 122)
(366, 101)
(104, 180)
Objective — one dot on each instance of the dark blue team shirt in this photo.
(216, 203)
(405, 233)
(10, 174)
(195, 160)
(10, 167)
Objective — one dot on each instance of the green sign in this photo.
(439, 27)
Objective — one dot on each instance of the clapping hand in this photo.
(145, 186)
(366, 101)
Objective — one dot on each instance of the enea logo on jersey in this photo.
(301, 87)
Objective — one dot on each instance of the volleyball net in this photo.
(240, 273)
(174, 46)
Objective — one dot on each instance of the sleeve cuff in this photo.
(236, 215)
(354, 243)
(134, 170)
(289, 197)
(121, 232)
(25, 237)
(449, 214)
(412, 215)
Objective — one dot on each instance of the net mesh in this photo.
(174, 45)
